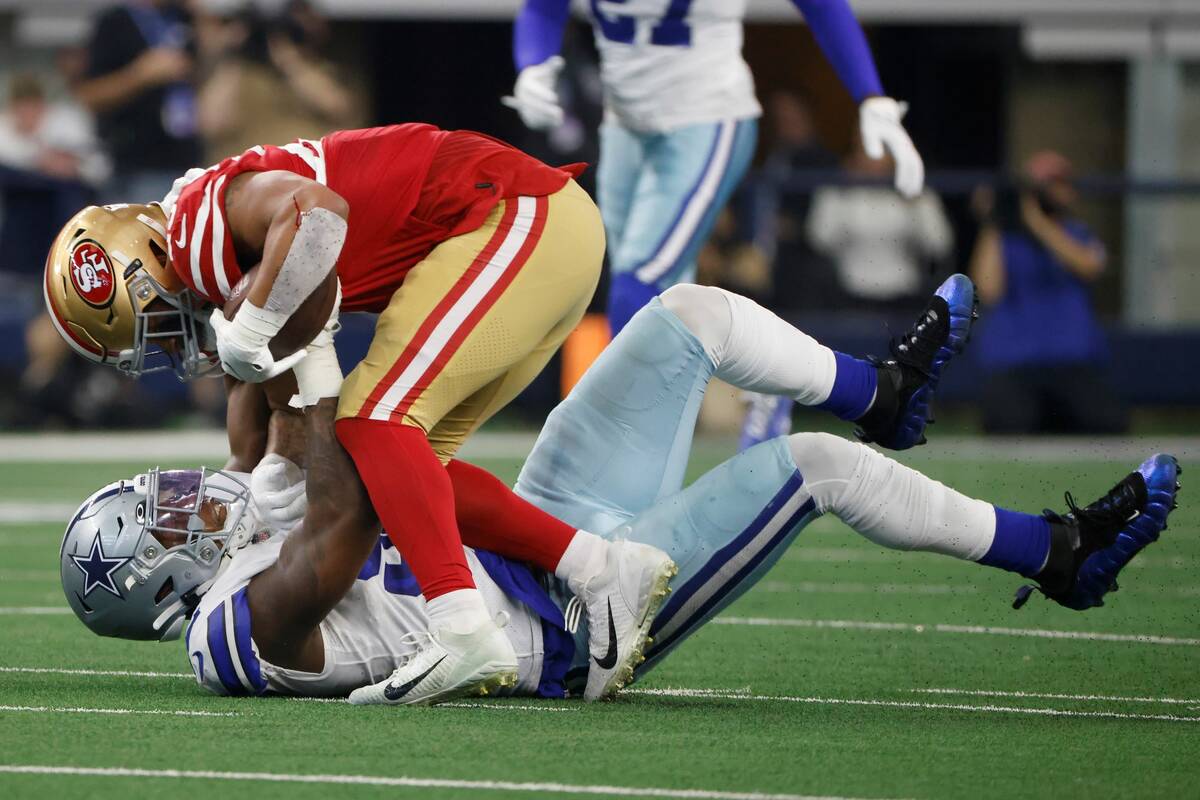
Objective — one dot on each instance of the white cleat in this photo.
(621, 603)
(447, 665)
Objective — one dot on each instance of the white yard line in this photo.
(402, 781)
(1053, 696)
(114, 673)
(151, 711)
(21, 512)
(982, 630)
(852, 701)
(844, 587)
(36, 611)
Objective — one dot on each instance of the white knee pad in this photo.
(827, 463)
(704, 310)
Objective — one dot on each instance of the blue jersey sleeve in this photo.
(538, 31)
(841, 39)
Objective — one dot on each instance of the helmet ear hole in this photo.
(159, 253)
(165, 590)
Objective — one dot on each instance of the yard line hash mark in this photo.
(426, 783)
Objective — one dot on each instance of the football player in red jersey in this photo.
(479, 260)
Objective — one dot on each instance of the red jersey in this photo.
(409, 188)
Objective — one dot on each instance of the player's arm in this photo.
(841, 38)
(299, 226)
(320, 559)
(537, 39)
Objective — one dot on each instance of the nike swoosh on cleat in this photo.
(396, 692)
(610, 658)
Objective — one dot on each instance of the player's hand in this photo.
(879, 123)
(243, 345)
(535, 95)
(278, 488)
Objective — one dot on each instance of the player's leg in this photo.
(753, 349)
(477, 305)
(686, 180)
(622, 156)
(727, 529)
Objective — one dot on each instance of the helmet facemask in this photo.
(167, 335)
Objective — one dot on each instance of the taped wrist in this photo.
(318, 375)
(256, 326)
(320, 235)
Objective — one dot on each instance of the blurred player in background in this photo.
(479, 261)
(681, 122)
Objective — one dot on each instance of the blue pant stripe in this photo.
(715, 601)
(245, 647)
(681, 596)
(709, 161)
(218, 645)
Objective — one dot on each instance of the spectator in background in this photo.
(267, 81)
(1033, 265)
(139, 85)
(802, 277)
(56, 140)
(879, 241)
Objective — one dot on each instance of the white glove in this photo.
(278, 489)
(535, 96)
(879, 124)
(243, 343)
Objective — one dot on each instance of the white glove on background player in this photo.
(535, 95)
(879, 124)
(243, 343)
(278, 490)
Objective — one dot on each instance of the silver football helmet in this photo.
(139, 553)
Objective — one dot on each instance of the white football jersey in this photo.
(666, 64)
(365, 634)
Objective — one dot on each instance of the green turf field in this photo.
(851, 671)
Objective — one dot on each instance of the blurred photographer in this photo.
(266, 80)
(1033, 264)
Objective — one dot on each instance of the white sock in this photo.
(752, 348)
(585, 557)
(460, 611)
(889, 503)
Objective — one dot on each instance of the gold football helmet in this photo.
(115, 298)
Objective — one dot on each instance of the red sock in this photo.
(414, 499)
(491, 517)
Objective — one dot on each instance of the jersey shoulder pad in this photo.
(221, 650)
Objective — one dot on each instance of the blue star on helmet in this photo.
(98, 570)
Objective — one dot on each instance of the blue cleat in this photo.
(1090, 546)
(908, 380)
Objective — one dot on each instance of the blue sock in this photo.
(626, 295)
(853, 387)
(1022, 543)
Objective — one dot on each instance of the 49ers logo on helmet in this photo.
(92, 275)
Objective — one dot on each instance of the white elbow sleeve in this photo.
(312, 256)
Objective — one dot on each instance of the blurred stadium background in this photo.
(851, 671)
(1100, 93)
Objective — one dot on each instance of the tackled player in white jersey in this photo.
(325, 607)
